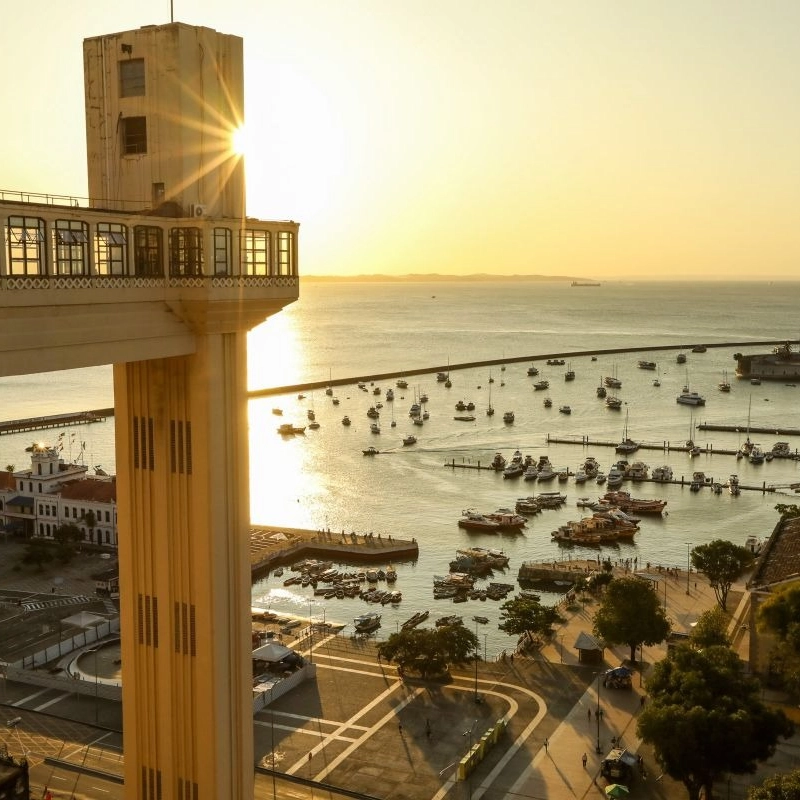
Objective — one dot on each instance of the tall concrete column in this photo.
(183, 497)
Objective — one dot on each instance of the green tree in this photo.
(68, 534)
(722, 562)
(711, 629)
(428, 651)
(37, 552)
(631, 614)
(788, 510)
(705, 718)
(785, 786)
(779, 616)
(528, 617)
(90, 520)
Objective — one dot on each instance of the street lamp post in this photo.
(468, 733)
(477, 656)
(597, 748)
(94, 650)
(688, 564)
(310, 636)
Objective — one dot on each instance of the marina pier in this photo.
(55, 421)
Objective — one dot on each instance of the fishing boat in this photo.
(415, 619)
(371, 451)
(409, 440)
(569, 375)
(472, 521)
(508, 416)
(345, 420)
(614, 403)
(541, 385)
(366, 623)
(548, 402)
(601, 390)
(288, 429)
(498, 462)
(647, 365)
(532, 371)
(565, 409)
(724, 385)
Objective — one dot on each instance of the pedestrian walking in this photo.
(545, 745)
(428, 728)
(589, 714)
(400, 728)
(584, 759)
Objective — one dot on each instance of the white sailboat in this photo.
(490, 407)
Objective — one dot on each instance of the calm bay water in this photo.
(322, 480)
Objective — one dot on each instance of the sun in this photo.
(239, 141)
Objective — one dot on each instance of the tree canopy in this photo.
(788, 510)
(428, 651)
(722, 562)
(524, 615)
(711, 629)
(705, 718)
(785, 786)
(630, 613)
(779, 615)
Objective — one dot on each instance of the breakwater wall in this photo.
(380, 376)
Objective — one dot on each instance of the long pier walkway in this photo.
(55, 421)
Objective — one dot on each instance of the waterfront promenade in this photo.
(362, 727)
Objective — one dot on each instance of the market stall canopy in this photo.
(272, 652)
(83, 620)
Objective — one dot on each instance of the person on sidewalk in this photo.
(584, 759)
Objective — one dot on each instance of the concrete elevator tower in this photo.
(162, 274)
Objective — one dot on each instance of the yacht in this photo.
(531, 473)
(498, 462)
(688, 398)
(733, 485)
(663, 473)
(565, 409)
(615, 477)
(756, 455)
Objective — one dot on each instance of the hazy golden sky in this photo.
(626, 139)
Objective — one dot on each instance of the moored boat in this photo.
(472, 521)
(366, 623)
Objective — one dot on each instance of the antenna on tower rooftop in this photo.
(171, 12)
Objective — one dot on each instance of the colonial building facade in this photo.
(37, 501)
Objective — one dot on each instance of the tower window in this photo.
(134, 135)
(71, 247)
(131, 77)
(111, 248)
(185, 251)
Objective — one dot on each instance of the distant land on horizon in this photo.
(483, 277)
(435, 277)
